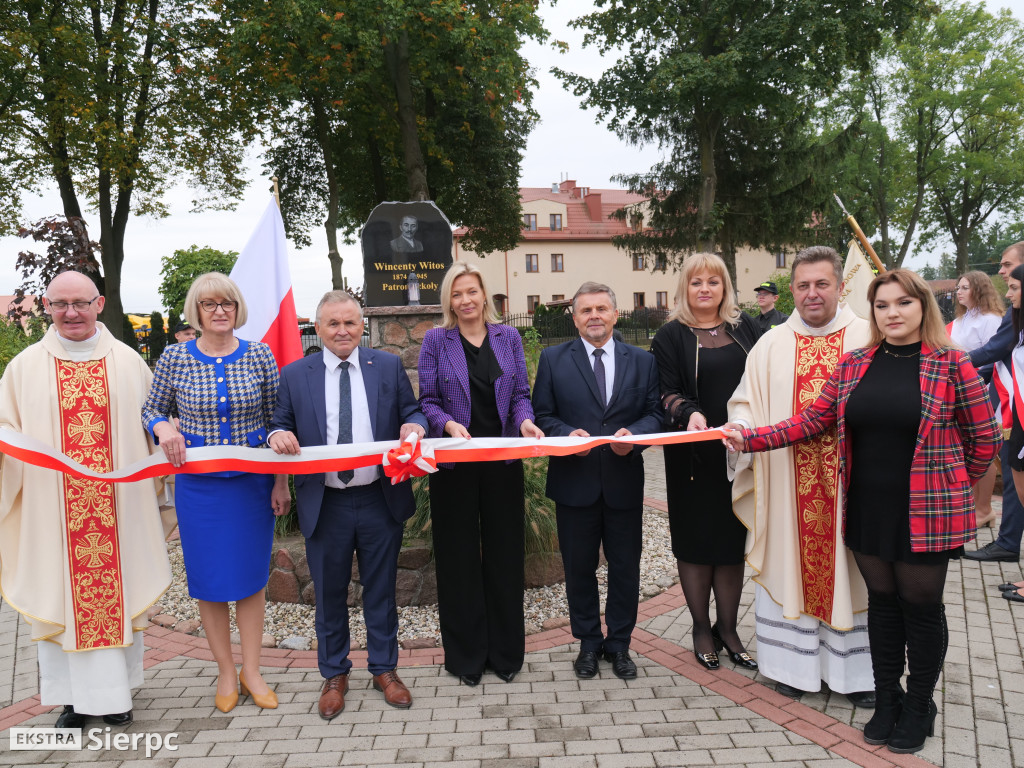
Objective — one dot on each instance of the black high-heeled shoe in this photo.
(741, 659)
(708, 660)
(912, 728)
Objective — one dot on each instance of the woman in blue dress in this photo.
(222, 390)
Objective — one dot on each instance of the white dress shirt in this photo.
(362, 432)
(973, 329)
(609, 362)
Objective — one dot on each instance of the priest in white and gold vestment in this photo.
(810, 600)
(81, 560)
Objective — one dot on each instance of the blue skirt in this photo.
(227, 534)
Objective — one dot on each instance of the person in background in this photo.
(184, 332)
(473, 383)
(767, 295)
(222, 390)
(1014, 591)
(979, 312)
(701, 353)
(1006, 547)
(595, 385)
(915, 428)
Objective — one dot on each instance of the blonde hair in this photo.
(728, 310)
(457, 270)
(206, 287)
(983, 294)
(933, 330)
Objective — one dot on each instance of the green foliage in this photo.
(945, 271)
(729, 90)
(173, 318)
(532, 349)
(128, 333)
(288, 525)
(539, 528)
(181, 269)
(68, 247)
(14, 338)
(397, 99)
(157, 335)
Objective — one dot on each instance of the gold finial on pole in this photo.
(277, 191)
(859, 233)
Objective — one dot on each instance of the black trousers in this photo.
(581, 533)
(476, 512)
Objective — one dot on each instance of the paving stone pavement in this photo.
(674, 714)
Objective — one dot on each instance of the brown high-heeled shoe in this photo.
(226, 702)
(266, 700)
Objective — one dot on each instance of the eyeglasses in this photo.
(80, 306)
(211, 306)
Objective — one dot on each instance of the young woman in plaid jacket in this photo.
(915, 430)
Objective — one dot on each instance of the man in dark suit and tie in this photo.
(595, 385)
(349, 394)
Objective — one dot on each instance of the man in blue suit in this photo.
(349, 394)
(1006, 547)
(595, 385)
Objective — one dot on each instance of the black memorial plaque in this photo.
(403, 238)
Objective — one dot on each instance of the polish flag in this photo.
(262, 275)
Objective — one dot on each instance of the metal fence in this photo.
(636, 326)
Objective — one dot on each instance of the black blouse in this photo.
(484, 370)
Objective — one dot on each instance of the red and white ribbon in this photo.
(331, 458)
(410, 459)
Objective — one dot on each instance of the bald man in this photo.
(81, 560)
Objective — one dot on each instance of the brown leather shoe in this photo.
(332, 696)
(395, 692)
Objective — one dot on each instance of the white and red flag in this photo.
(262, 274)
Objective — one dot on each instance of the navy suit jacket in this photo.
(565, 398)
(999, 347)
(302, 409)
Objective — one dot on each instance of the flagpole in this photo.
(860, 235)
(277, 191)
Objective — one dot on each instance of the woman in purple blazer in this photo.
(473, 382)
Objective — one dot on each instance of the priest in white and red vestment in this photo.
(810, 600)
(81, 560)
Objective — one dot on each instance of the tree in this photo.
(68, 248)
(972, 64)
(181, 269)
(397, 99)
(111, 100)
(157, 335)
(723, 82)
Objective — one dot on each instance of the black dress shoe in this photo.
(70, 719)
(507, 676)
(862, 699)
(1014, 597)
(122, 718)
(471, 680)
(622, 665)
(586, 665)
(993, 553)
(789, 690)
(740, 659)
(1008, 586)
(708, 660)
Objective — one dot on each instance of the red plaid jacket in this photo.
(957, 440)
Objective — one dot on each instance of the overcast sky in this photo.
(567, 142)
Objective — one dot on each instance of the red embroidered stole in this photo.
(89, 507)
(817, 476)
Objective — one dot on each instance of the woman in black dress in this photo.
(701, 352)
(915, 428)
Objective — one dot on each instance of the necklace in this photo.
(889, 352)
(712, 331)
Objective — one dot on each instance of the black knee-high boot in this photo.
(888, 646)
(925, 627)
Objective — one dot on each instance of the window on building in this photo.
(661, 263)
(556, 221)
(662, 297)
(638, 300)
(636, 222)
(638, 262)
(556, 263)
(530, 221)
(532, 264)
(531, 303)
(780, 260)
(501, 303)
(558, 297)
